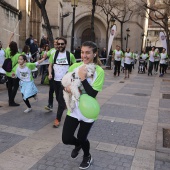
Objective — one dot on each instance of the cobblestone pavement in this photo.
(127, 136)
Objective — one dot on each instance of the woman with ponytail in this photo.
(75, 119)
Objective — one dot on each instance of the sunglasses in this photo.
(60, 43)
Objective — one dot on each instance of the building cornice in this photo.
(9, 7)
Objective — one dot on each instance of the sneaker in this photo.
(56, 123)
(86, 162)
(13, 104)
(75, 152)
(49, 108)
(28, 110)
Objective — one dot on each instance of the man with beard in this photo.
(60, 63)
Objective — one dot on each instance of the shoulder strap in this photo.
(68, 57)
(56, 55)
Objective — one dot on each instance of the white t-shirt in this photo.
(157, 57)
(117, 55)
(128, 57)
(151, 56)
(163, 56)
(25, 73)
(2, 56)
(61, 66)
(144, 56)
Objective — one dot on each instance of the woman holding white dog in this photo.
(91, 86)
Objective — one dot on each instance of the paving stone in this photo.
(34, 120)
(162, 165)
(139, 86)
(145, 81)
(164, 103)
(102, 160)
(165, 83)
(163, 116)
(164, 89)
(126, 112)
(115, 133)
(8, 140)
(135, 91)
(134, 100)
(107, 83)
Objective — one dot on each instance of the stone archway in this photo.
(86, 35)
(83, 31)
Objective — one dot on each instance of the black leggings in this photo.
(117, 67)
(156, 64)
(58, 88)
(162, 68)
(27, 101)
(69, 128)
(51, 91)
(13, 84)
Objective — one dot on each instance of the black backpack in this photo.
(68, 57)
(7, 65)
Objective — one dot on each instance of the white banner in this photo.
(162, 39)
(111, 37)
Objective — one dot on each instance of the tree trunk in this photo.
(47, 25)
(46, 20)
(121, 28)
(92, 21)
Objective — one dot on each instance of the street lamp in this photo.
(112, 21)
(127, 36)
(74, 4)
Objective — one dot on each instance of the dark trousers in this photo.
(156, 64)
(117, 67)
(162, 68)
(27, 101)
(150, 67)
(51, 91)
(58, 88)
(13, 84)
(69, 128)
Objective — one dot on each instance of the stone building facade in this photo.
(60, 14)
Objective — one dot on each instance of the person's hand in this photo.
(82, 72)
(13, 75)
(50, 76)
(12, 34)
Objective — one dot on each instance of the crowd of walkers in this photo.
(151, 61)
(60, 62)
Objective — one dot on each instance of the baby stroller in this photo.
(141, 68)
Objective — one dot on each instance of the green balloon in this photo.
(89, 106)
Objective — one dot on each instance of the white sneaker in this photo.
(28, 110)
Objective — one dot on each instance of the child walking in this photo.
(23, 71)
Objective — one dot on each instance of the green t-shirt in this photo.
(52, 54)
(13, 58)
(98, 76)
(97, 82)
(51, 59)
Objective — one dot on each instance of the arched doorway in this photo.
(86, 35)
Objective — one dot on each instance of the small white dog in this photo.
(72, 79)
